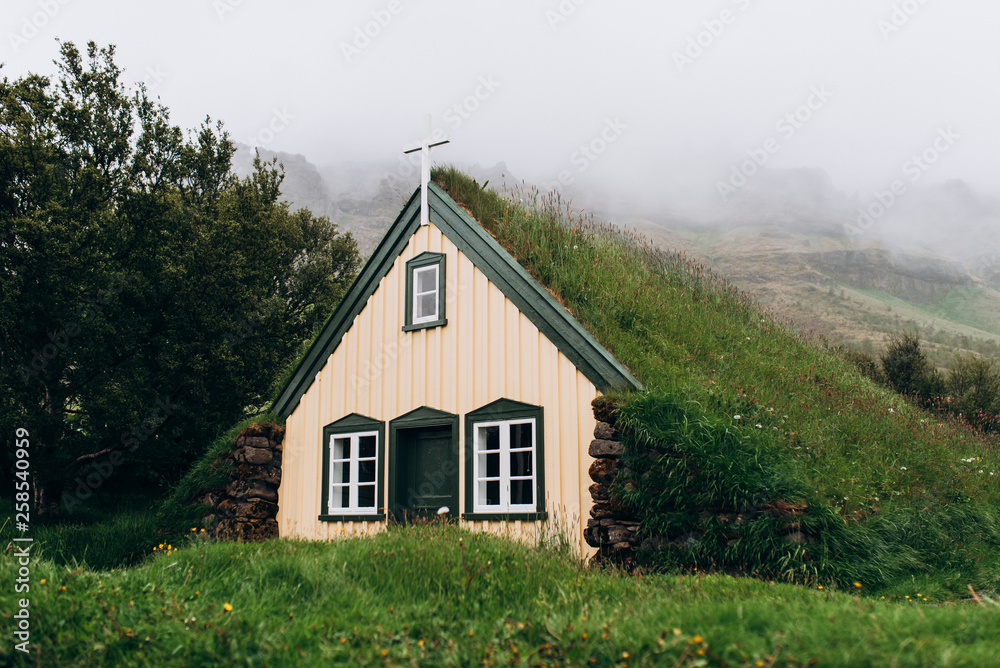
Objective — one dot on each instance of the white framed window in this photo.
(504, 466)
(425, 294)
(424, 303)
(353, 473)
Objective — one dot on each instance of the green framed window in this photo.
(504, 462)
(425, 292)
(353, 456)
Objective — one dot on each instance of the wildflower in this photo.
(227, 607)
(202, 531)
(821, 586)
(697, 640)
(63, 588)
(902, 468)
(625, 655)
(737, 417)
(760, 426)
(857, 585)
(43, 580)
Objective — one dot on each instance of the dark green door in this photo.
(427, 474)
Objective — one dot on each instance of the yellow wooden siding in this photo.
(487, 351)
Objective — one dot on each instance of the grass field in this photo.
(438, 595)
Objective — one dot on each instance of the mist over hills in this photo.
(930, 260)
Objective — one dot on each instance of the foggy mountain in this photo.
(927, 262)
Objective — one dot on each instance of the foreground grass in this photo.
(438, 595)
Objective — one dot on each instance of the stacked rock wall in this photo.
(246, 509)
(611, 528)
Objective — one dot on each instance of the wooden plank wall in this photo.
(487, 351)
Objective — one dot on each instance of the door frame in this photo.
(423, 417)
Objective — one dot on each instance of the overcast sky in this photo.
(667, 95)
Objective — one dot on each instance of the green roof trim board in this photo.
(531, 299)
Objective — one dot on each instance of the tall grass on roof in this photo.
(880, 490)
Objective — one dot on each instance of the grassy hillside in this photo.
(743, 411)
(779, 267)
(440, 596)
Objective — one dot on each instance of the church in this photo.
(447, 382)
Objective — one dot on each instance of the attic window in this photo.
(425, 292)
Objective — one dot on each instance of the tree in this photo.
(148, 297)
(907, 369)
(974, 385)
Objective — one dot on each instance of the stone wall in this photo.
(611, 528)
(246, 508)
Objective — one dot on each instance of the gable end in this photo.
(530, 298)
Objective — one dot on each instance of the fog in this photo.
(658, 103)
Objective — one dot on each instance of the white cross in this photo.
(426, 144)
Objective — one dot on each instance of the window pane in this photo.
(341, 448)
(426, 279)
(426, 306)
(520, 491)
(520, 435)
(366, 471)
(489, 438)
(520, 463)
(342, 472)
(492, 465)
(366, 496)
(489, 493)
(341, 496)
(366, 446)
